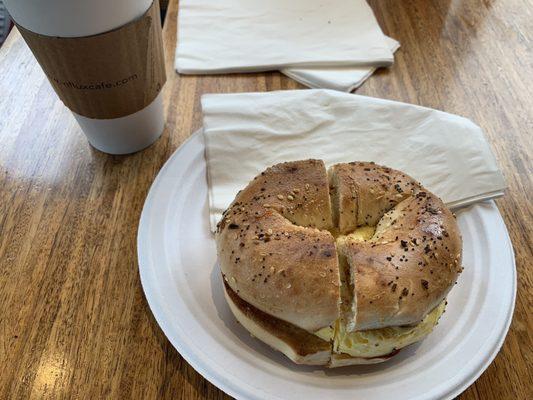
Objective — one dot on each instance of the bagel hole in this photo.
(391, 217)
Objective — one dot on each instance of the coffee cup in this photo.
(105, 61)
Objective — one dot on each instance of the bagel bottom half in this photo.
(297, 344)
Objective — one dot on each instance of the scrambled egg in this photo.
(379, 342)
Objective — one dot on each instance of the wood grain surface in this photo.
(74, 323)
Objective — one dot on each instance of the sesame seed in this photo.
(280, 196)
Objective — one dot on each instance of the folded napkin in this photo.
(256, 35)
(345, 79)
(247, 132)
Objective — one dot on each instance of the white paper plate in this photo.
(181, 280)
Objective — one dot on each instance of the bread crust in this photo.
(345, 360)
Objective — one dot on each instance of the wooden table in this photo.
(73, 319)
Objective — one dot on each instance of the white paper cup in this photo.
(77, 18)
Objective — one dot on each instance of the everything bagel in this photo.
(337, 267)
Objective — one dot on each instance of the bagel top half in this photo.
(291, 235)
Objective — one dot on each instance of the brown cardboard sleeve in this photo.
(109, 75)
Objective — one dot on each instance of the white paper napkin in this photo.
(247, 132)
(257, 35)
(345, 79)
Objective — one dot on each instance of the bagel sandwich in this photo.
(337, 267)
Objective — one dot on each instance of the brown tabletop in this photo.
(74, 322)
